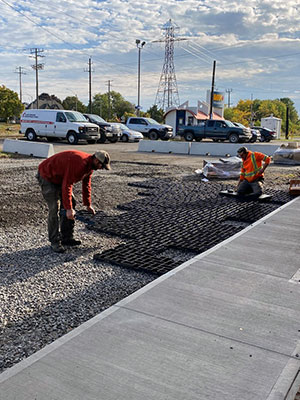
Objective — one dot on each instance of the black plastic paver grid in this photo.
(175, 214)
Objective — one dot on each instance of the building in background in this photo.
(46, 102)
(191, 115)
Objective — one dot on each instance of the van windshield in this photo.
(75, 116)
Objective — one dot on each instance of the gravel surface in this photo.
(44, 295)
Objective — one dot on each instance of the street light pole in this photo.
(139, 45)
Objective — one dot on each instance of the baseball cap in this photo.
(104, 158)
(242, 150)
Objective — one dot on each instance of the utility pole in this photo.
(251, 109)
(20, 72)
(228, 91)
(36, 53)
(89, 70)
(212, 91)
(108, 94)
(287, 123)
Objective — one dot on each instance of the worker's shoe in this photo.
(71, 242)
(57, 247)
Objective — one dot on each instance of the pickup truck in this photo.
(215, 130)
(107, 131)
(150, 128)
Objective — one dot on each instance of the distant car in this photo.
(127, 134)
(150, 128)
(106, 130)
(266, 134)
(256, 136)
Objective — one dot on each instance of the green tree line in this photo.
(250, 112)
(110, 106)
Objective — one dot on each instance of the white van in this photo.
(54, 124)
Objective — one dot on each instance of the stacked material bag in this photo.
(225, 168)
(287, 154)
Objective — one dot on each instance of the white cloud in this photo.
(255, 43)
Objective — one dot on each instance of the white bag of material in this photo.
(230, 169)
(287, 155)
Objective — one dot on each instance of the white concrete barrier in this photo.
(43, 150)
(158, 146)
(223, 149)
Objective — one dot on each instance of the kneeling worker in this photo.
(56, 177)
(252, 173)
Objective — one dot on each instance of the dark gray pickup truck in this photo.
(215, 130)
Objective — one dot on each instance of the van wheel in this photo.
(31, 135)
(72, 138)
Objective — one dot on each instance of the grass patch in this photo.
(7, 130)
(13, 155)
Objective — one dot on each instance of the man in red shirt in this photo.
(56, 177)
(252, 173)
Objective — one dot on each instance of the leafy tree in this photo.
(73, 103)
(155, 113)
(236, 115)
(293, 115)
(262, 109)
(127, 115)
(111, 106)
(10, 105)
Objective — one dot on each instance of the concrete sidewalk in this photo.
(225, 325)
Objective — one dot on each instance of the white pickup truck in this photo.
(150, 128)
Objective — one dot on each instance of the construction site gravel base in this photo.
(44, 295)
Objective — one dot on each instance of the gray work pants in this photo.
(251, 190)
(59, 226)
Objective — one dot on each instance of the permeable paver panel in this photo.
(189, 216)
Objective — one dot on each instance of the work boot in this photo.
(71, 242)
(57, 247)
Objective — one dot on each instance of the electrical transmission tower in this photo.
(167, 92)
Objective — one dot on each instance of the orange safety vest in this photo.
(252, 165)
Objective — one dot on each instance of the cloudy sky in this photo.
(256, 45)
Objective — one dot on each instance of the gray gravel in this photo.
(43, 295)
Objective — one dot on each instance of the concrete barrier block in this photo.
(43, 150)
(158, 146)
(223, 149)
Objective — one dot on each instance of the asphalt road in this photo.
(128, 152)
